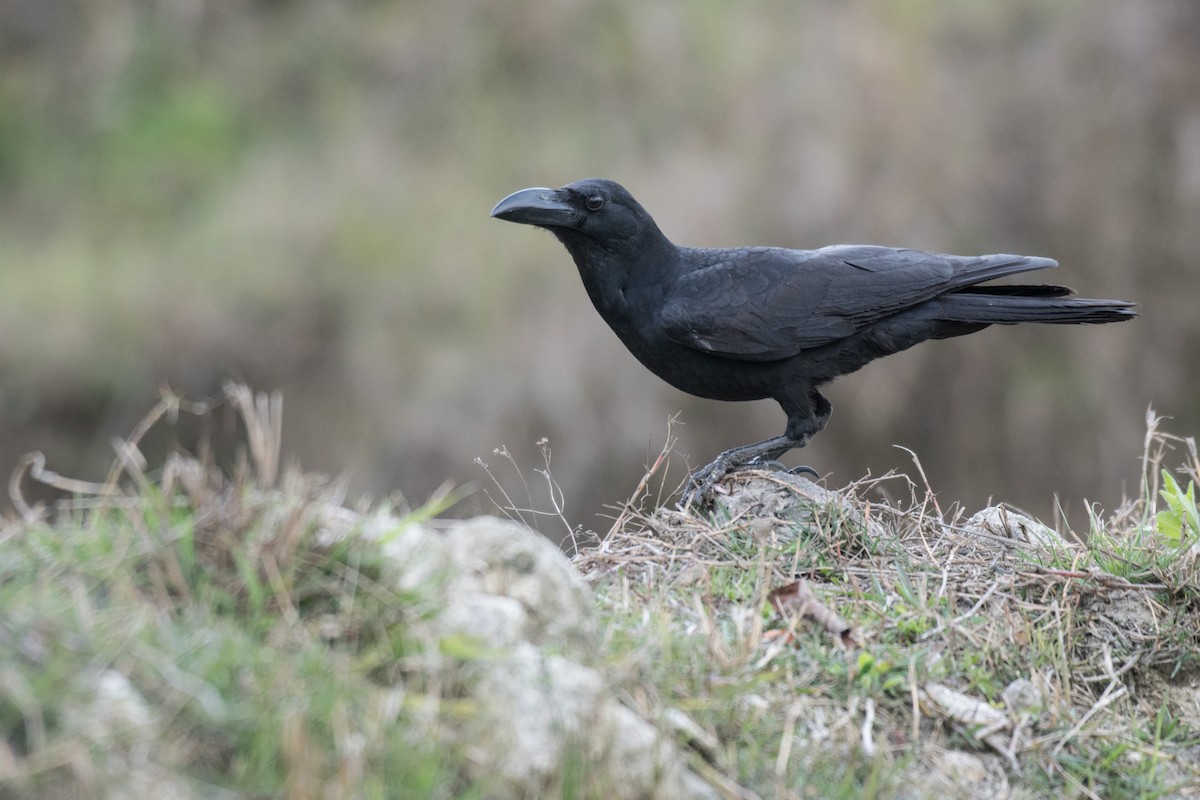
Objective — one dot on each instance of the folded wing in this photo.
(764, 304)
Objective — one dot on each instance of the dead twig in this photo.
(796, 600)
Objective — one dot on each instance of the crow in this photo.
(748, 323)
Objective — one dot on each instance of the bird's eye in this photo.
(595, 203)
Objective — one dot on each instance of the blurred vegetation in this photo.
(296, 193)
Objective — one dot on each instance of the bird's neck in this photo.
(616, 276)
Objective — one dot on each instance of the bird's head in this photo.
(585, 214)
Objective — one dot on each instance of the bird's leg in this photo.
(701, 482)
(807, 426)
(808, 411)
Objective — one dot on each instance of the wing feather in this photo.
(764, 304)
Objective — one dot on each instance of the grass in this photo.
(1082, 655)
(238, 631)
(210, 634)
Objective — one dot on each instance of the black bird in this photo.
(748, 323)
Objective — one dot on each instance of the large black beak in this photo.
(545, 207)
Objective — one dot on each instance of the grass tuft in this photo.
(197, 632)
(985, 654)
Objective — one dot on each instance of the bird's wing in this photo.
(763, 304)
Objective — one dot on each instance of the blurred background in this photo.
(295, 193)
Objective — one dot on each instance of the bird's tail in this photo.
(1009, 305)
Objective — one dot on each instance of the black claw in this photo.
(700, 485)
(803, 468)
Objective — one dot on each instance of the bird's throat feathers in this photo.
(614, 271)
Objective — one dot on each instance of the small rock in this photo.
(1009, 524)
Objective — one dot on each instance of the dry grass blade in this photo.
(33, 466)
(569, 537)
(262, 415)
(129, 459)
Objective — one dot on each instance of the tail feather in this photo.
(1011, 305)
(1022, 291)
(979, 269)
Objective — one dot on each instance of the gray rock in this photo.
(538, 701)
(1004, 523)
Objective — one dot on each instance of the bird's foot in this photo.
(700, 486)
(702, 483)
